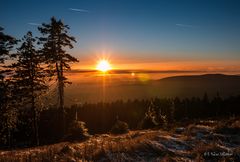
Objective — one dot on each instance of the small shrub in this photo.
(77, 131)
(119, 127)
(149, 120)
(67, 150)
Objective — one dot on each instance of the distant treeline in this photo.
(100, 117)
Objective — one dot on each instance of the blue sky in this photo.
(149, 29)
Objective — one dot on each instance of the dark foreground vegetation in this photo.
(119, 117)
(202, 140)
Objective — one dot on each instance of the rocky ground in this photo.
(208, 140)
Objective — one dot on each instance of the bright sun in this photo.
(103, 66)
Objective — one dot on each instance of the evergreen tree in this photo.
(29, 78)
(217, 104)
(77, 131)
(6, 44)
(205, 105)
(119, 127)
(8, 113)
(55, 40)
(150, 118)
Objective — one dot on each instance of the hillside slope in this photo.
(201, 141)
(197, 85)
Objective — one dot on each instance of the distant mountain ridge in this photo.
(202, 77)
(197, 85)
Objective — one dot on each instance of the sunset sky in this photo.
(139, 34)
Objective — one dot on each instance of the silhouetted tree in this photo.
(77, 131)
(55, 40)
(150, 119)
(206, 109)
(119, 127)
(6, 44)
(29, 78)
(217, 103)
(8, 113)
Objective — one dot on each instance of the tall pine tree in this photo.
(6, 44)
(29, 79)
(8, 113)
(55, 40)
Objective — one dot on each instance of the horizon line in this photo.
(127, 71)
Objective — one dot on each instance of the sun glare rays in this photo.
(103, 65)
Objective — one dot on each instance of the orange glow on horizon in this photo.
(189, 65)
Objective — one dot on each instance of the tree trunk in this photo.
(61, 96)
(35, 121)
